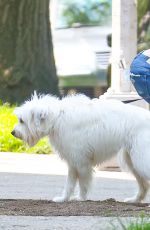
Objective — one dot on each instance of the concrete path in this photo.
(61, 223)
(42, 177)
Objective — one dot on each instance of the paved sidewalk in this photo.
(46, 175)
(42, 177)
(61, 223)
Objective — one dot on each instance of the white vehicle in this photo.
(80, 43)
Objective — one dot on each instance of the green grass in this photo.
(8, 143)
(138, 226)
(141, 223)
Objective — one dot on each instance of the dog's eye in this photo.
(21, 121)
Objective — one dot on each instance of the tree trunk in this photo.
(26, 52)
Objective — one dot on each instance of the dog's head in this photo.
(34, 120)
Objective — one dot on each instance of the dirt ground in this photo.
(104, 208)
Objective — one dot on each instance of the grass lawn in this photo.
(8, 143)
(138, 226)
(141, 223)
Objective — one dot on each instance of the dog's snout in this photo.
(13, 132)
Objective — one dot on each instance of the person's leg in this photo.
(147, 52)
(140, 74)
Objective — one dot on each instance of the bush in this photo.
(8, 143)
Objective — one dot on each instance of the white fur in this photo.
(88, 132)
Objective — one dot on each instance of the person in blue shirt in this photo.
(140, 74)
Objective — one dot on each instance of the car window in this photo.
(76, 13)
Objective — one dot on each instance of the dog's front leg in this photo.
(69, 188)
(85, 178)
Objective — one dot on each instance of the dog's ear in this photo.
(39, 116)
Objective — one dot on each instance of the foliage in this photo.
(86, 12)
(141, 223)
(143, 24)
(138, 226)
(8, 143)
(143, 7)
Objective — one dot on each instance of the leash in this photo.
(129, 101)
(125, 102)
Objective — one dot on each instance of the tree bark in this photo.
(26, 51)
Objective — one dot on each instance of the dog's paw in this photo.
(132, 200)
(60, 199)
(77, 198)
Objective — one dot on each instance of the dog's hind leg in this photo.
(143, 184)
(70, 186)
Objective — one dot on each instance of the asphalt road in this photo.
(42, 177)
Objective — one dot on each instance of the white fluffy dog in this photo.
(86, 133)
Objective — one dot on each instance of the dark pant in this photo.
(140, 75)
